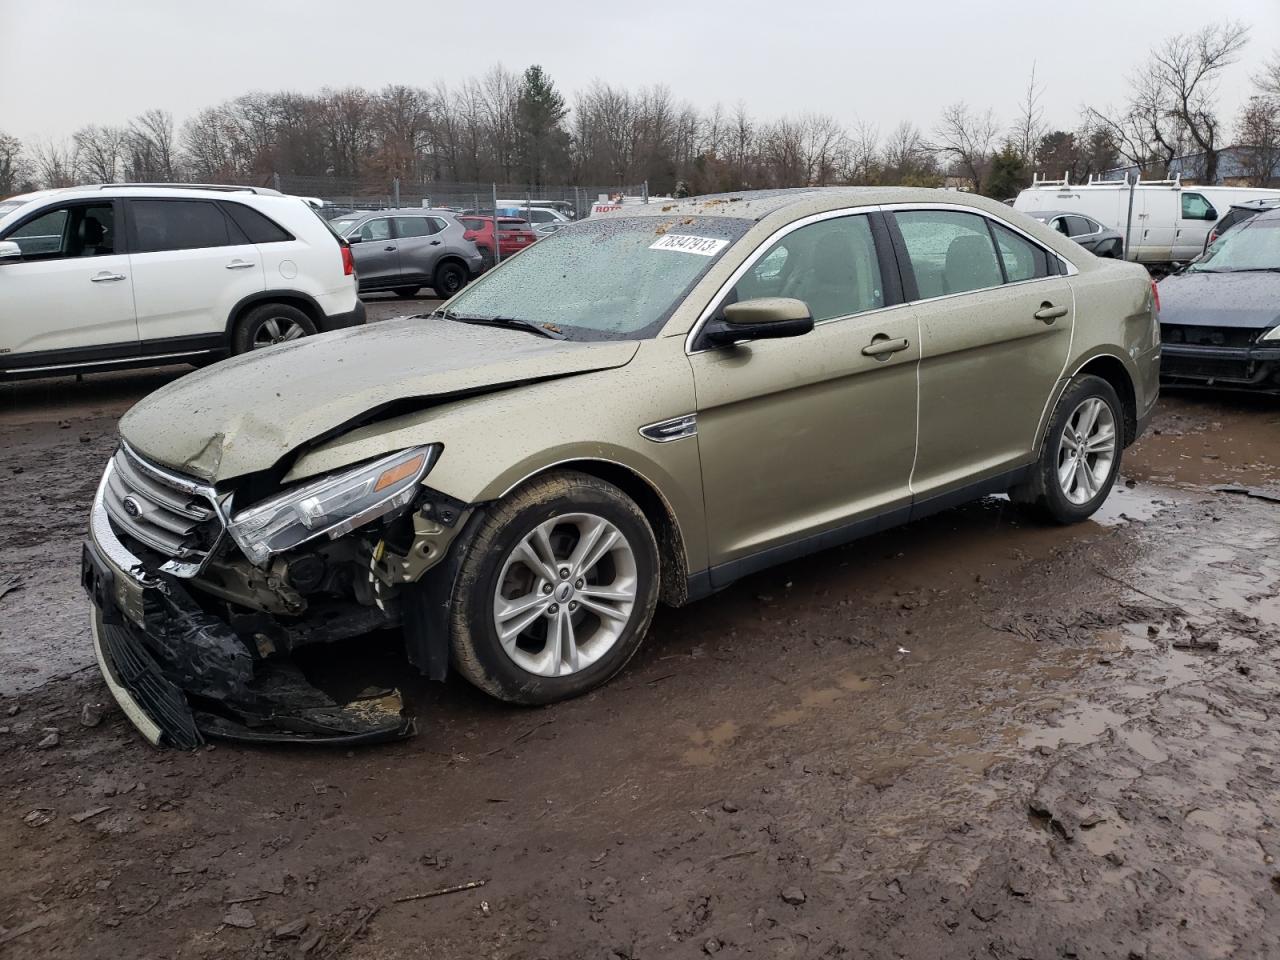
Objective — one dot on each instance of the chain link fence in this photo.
(343, 194)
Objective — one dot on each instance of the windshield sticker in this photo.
(684, 243)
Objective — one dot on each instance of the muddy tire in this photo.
(555, 592)
(1080, 458)
(269, 324)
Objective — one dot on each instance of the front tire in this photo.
(1080, 458)
(406, 292)
(556, 590)
(269, 324)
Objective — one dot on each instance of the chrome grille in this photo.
(173, 515)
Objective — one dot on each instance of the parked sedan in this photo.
(644, 407)
(1093, 236)
(404, 250)
(1220, 317)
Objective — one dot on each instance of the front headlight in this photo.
(333, 505)
(1272, 334)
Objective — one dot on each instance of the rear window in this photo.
(471, 223)
(257, 227)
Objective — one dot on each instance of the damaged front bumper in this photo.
(182, 675)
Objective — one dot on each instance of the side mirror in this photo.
(9, 251)
(764, 318)
(355, 238)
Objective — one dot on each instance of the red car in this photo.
(514, 235)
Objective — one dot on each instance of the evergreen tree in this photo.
(543, 142)
(1007, 174)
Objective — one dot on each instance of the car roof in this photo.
(800, 201)
(1042, 214)
(1272, 214)
(1265, 203)
(397, 212)
(145, 190)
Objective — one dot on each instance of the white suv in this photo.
(106, 277)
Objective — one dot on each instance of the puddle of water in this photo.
(1135, 504)
(1085, 724)
(709, 744)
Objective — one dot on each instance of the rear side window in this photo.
(1079, 226)
(408, 227)
(179, 225)
(254, 225)
(949, 252)
(1022, 259)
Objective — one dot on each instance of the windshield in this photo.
(605, 279)
(1254, 245)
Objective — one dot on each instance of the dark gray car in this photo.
(1220, 317)
(404, 250)
(1089, 233)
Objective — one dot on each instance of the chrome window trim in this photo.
(1070, 269)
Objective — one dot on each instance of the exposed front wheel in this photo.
(270, 324)
(1081, 453)
(556, 591)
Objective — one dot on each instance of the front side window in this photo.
(1196, 207)
(1022, 259)
(379, 229)
(831, 265)
(605, 279)
(82, 230)
(950, 252)
(178, 225)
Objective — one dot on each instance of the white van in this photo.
(1170, 221)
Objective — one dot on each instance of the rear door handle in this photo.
(882, 346)
(105, 277)
(389, 249)
(435, 243)
(239, 265)
(1049, 313)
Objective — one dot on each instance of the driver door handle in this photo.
(105, 277)
(435, 243)
(389, 249)
(239, 265)
(1049, 313)
(884, 347)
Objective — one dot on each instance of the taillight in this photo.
(348, 261)
(1155, 295)
(1213, 235)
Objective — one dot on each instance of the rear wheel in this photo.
(556, 591)
(1081, 454)
(449, 279)
(269, 324)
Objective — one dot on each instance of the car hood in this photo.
(1250, 300)
(244, 415)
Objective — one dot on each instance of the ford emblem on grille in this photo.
(131, 507)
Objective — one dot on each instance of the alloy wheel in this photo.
(1087, 450)
(276, 330)
(565, 594)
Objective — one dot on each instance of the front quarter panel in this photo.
(494, 442)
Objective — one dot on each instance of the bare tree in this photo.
(862, 160)
(100, 152)
(1267, 80)
(13, 165)
(1172, 105)
(967, 139)
(1258, 133)
(149, 147)
(908, 159)
(1029, 127)
(55, 163)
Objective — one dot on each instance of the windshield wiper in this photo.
(518, 323)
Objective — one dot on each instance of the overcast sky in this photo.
(65, 63)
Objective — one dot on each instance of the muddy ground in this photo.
(973, 737)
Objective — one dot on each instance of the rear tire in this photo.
(1080, 458)
(407, 292)
(269, 324)
(448, 280)
(569, 620)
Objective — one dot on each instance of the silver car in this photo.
(404, 250)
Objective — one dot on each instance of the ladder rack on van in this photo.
(1095, 180)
